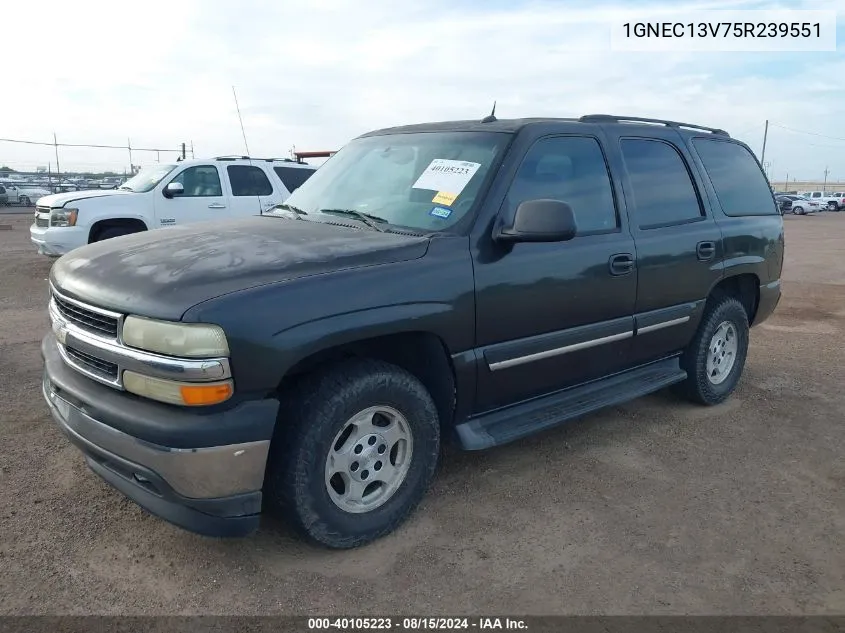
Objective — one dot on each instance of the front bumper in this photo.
(212, 490)
(58, 240)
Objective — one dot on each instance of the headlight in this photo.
(193, 340)
(63, 217)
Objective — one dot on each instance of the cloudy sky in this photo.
(316, 73)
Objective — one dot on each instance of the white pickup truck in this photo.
(165, 195)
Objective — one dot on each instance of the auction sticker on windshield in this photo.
(447, 176)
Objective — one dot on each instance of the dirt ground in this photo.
(657, 506)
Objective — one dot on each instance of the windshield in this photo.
(146, 179)
(425, 181)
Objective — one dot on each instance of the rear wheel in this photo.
(798, 210)
(715, 358)
(355, 453)
(25, 201)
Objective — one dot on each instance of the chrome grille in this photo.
(91, 363)
(86, 319)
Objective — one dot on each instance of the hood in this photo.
(164, 272)
(61, 199)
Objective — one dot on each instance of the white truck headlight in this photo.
(63, 217)
(192, 340)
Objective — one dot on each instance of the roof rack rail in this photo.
(612, 118)
(231, 157)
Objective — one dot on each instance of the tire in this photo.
(25, 201)
(798, 210)
(300, 485)
(722, 315)
(114, 231)
(832, 206)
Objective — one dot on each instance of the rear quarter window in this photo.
(737, 178)
(293, 177)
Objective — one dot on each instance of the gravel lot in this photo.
(657, 506)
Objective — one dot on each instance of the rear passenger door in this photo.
(252, 191)
(679, 244)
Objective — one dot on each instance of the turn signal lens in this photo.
(189, 394)
(197, 395)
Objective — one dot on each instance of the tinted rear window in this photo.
(292, 177)
(737, 178)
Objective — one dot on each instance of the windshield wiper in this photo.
(367, 218)
(125, 188)
(289, 207)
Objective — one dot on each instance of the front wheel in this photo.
(715, 358)
(354, 453)
(832, 206)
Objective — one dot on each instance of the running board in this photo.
(512, 423)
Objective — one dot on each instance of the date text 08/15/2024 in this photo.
(415, 623)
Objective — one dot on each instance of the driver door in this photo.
(554, 315)
(203, 198)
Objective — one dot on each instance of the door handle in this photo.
(705, 250)
(216, 205)
(621, 264)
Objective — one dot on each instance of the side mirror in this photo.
(173, 189)
(539, 221)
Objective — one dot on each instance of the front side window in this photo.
(425, 181)
(737, 178)
(201, 181)
(572, 170)
(662, 189)
(247, 180)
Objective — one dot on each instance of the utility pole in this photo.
(183, 151)
(56, 147)
(824, 186)
(192, 149)
(765, 136)
(129, 147)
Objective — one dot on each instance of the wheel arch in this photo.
(108, 223)
(744, 287)
(420, 352)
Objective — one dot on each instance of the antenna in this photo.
(490, 117)
(257, 199)
(238, 108)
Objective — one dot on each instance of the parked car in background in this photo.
(25, 195)
(827, 201)
(839, 197)
(798, 205)
(4, 197)
(65, 187)
(164, 195)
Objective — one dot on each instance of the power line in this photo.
(140, 149)
(784, 127)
